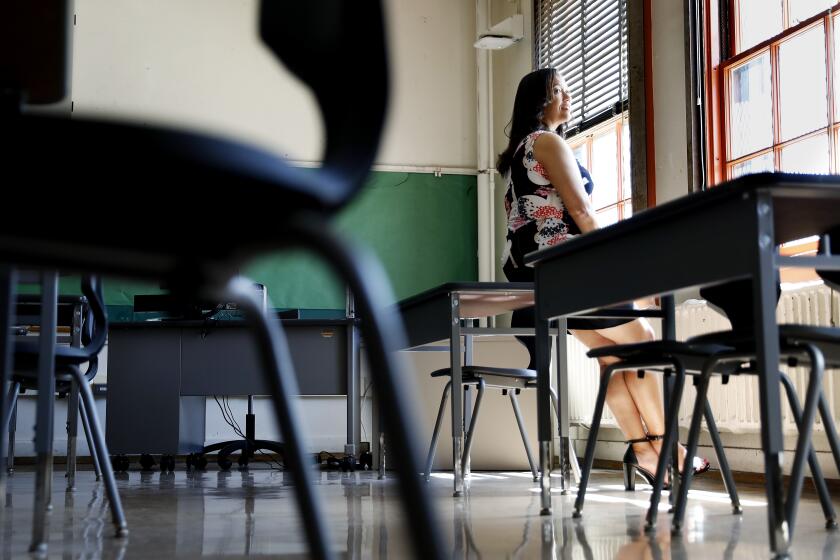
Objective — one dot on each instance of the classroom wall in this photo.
(200, 65)
(669, 99)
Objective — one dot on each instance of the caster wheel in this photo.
(119, 463)
(167, 463)
(366, 460)
(242, 461)
(224, 463)
(196, 461)
(147, 462)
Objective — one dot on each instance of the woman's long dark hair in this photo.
(534, 91)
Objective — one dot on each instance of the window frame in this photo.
(616, 124)
(721, 31)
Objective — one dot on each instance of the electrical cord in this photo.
(230, 420)
(362, 410)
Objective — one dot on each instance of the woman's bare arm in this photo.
(559, 162)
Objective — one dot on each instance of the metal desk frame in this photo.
(728, 232)
(449, 311)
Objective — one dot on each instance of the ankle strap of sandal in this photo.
(638, 440)
(655, 437)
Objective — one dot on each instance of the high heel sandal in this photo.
(701, 465)
(631, 466)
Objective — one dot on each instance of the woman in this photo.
(547, 202)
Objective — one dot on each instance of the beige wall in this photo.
(198, 63)
(669, 100)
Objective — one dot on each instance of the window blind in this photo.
(587, 41)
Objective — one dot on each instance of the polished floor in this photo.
(249, 513)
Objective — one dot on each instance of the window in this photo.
(605, 151)
(587, 41)
(778, 92)
(781, 107)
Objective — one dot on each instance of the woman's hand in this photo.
(559, 162)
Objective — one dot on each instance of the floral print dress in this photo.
(536, 216)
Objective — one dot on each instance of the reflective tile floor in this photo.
(236, 514)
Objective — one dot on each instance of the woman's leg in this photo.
(645, 392)
(622, 403)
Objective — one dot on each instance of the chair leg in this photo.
(691, 446)
(803, 442)
(45, 413)
(589, 458)
(668, 444)
(12, 424)
(117, 514)
(471, 430)
(514, 402)
(720, 453)
(72, 433)
(277, 365)
(94, 452)
(8, 424)
(830, 429)
(384, 336)
(813, 463)
(572, 455)
(430, 458)
(7, 309)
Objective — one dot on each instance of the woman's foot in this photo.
(640, 458)
(701, 465)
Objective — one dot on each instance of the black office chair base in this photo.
(246, 448)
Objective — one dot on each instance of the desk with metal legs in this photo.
(728, 232)
(449, 312)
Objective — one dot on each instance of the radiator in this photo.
(735, 405)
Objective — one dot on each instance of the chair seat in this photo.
(827, 339)
(65, 355)
(100, 151)
(516, 378)
(691, 355)
(26, 361)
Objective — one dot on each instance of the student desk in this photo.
(159, 373)
(447, 312)
(728, 232)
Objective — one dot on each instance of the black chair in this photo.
(510, 380)
(70, 378)
(670, 358)
(74, 313)
(817, 347)
(733, 353)
(285, 207)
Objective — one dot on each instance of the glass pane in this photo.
(750, 107)
(806, 156)
(605, 169)
(803, 105)
(836, 150)
(800, 10)
(627, 209)
(757, 164)
(758, 20)
(836, 67)
(607, 216)
(626, 182)
(582, 154)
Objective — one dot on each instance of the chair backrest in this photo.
(337, 48)
(830, 277)
(96, 324)
(734, 300)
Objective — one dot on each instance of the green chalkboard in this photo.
(422, 227)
